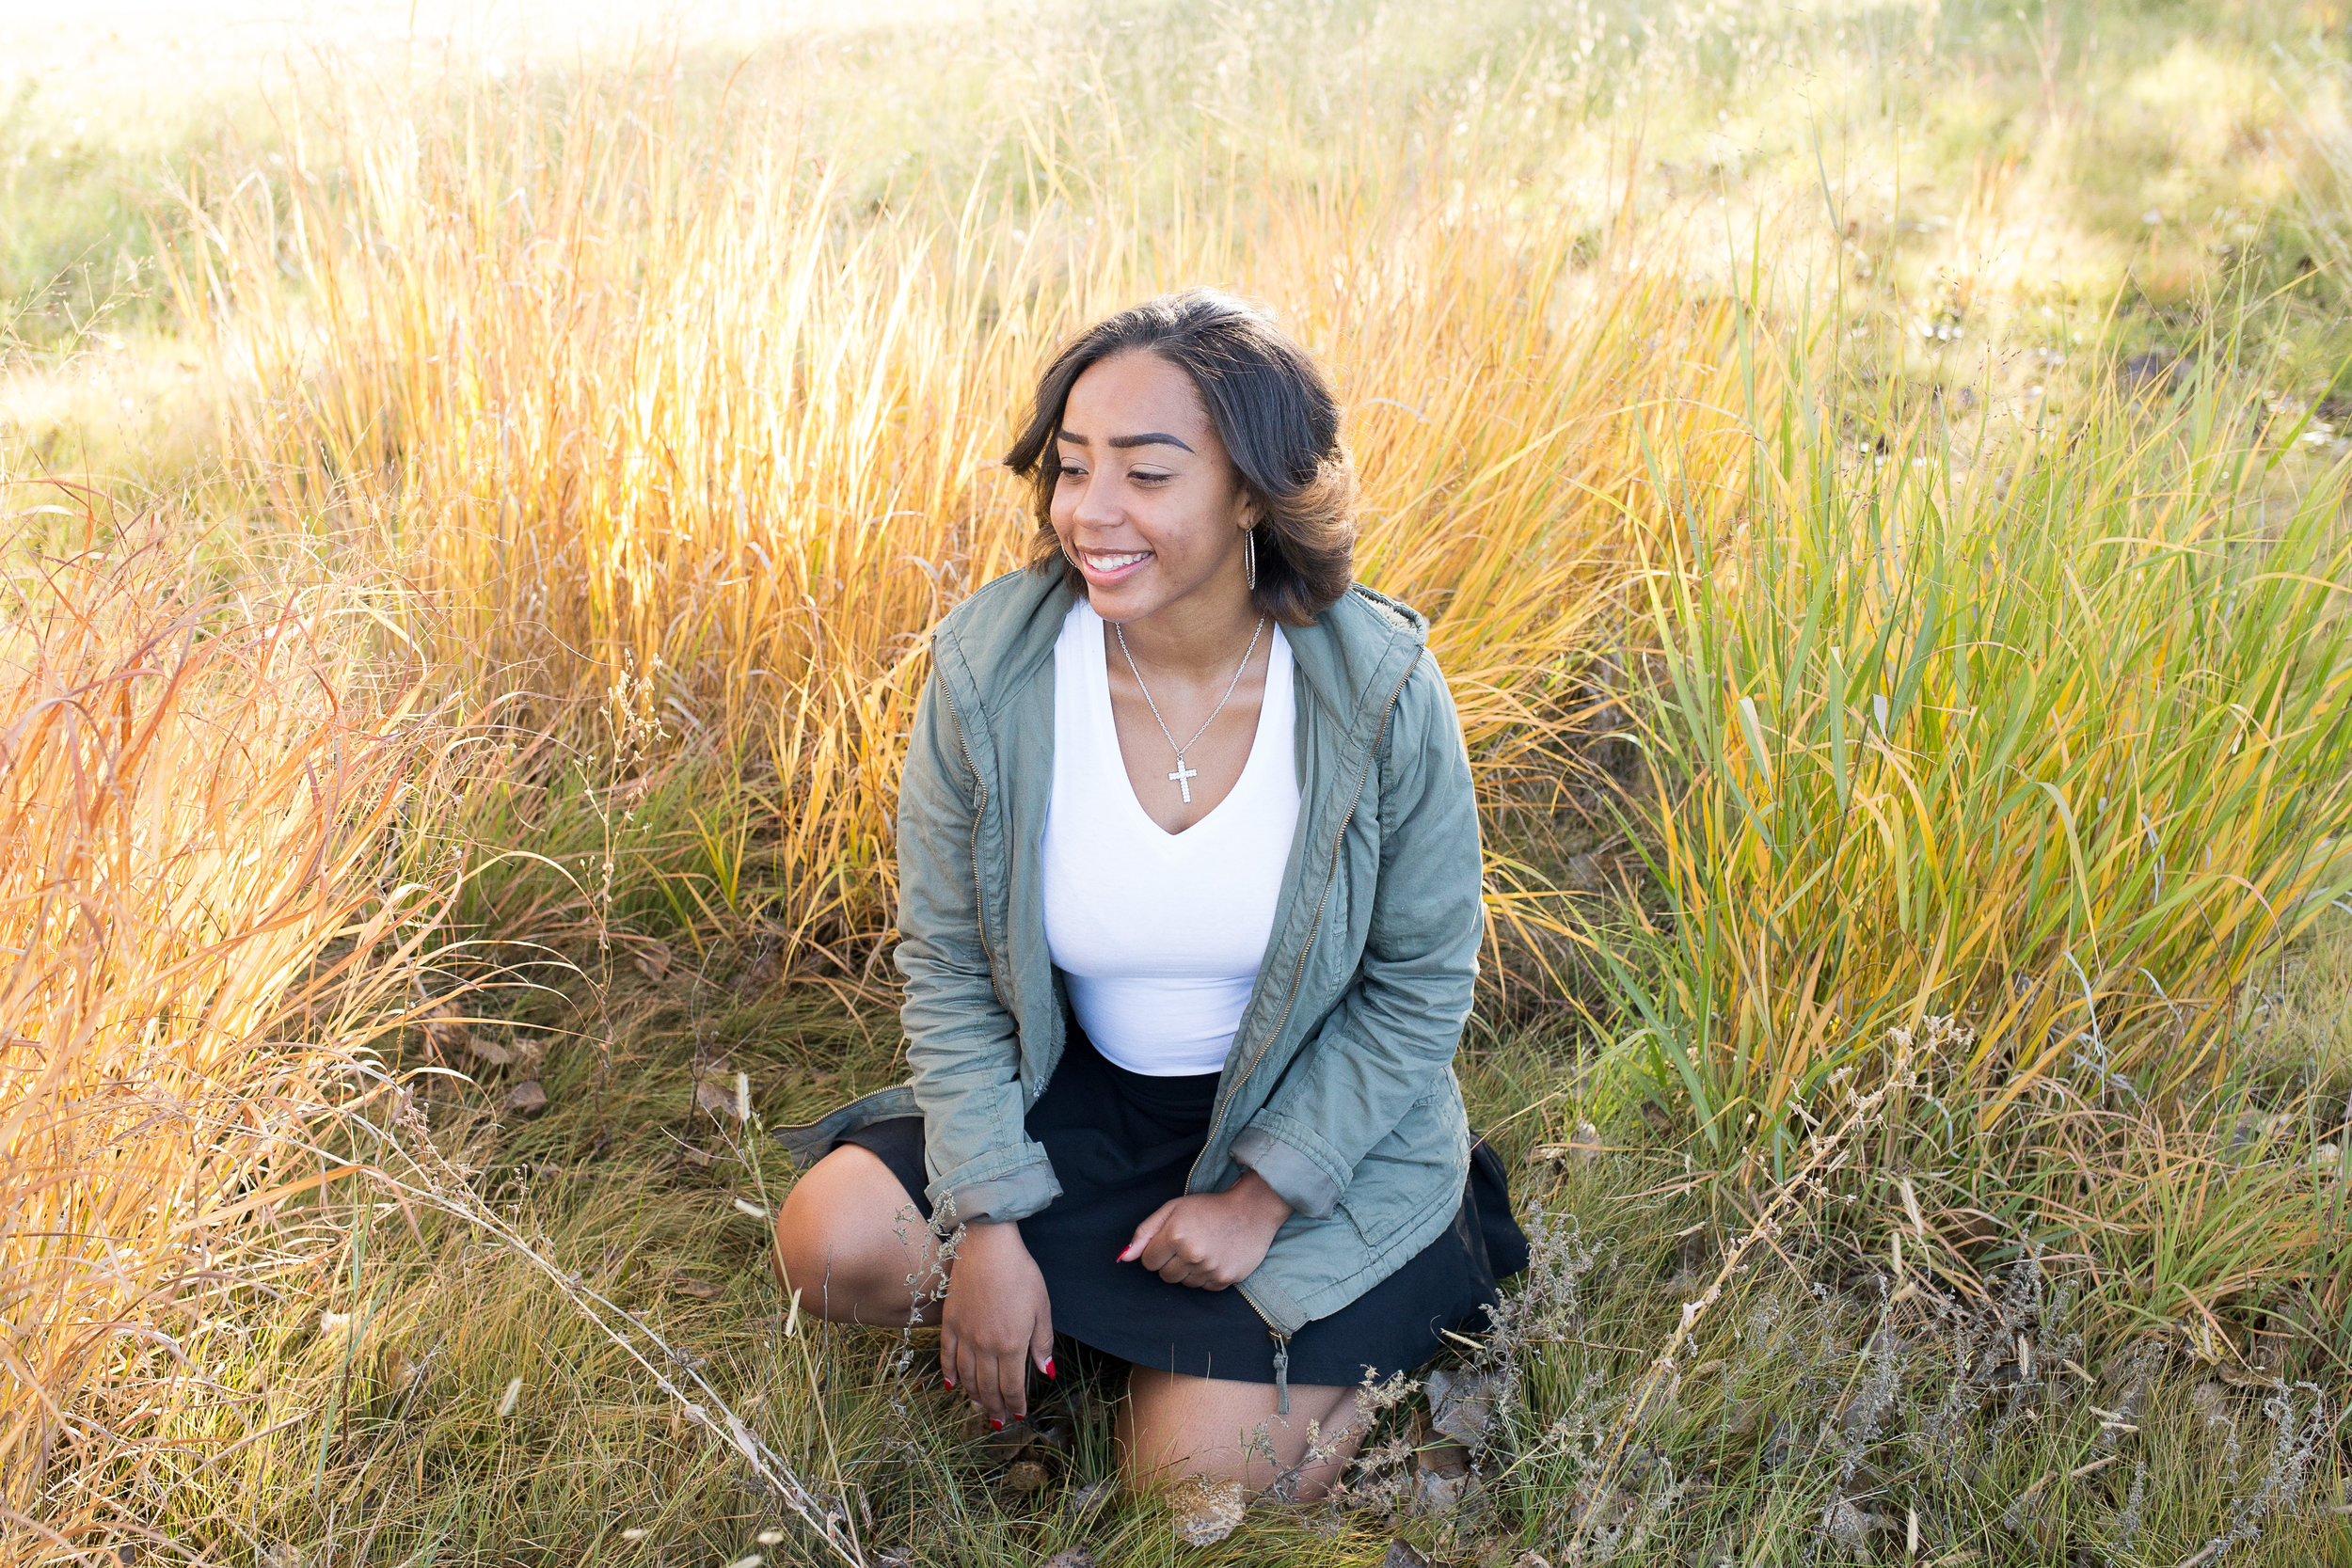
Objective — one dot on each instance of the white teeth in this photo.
(1113, 562)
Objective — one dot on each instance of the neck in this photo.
(1194, 640)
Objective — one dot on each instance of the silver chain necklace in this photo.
(1183, 776)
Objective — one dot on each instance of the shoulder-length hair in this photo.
(1273, 408)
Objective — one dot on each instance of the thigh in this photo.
(850, 1240)
(1173, 1426)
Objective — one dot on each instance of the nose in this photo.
(1097, 505)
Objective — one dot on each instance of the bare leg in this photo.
(849, 1242)
(1172, 1426)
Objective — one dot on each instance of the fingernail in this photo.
(949, 1381)
(995, 1425)
(1049, 1366)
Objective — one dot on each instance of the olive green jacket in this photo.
(1339, 1090)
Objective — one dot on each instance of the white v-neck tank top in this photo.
(1159, 935)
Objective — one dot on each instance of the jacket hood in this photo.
(1349, 657)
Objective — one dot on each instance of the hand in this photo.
(998, 1321)
(1210, 1239)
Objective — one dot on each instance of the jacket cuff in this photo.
(1014, 1195)
(1299, 1181)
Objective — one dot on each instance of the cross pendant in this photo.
(1184, 777)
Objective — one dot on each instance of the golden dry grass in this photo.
(659, 431)
(195, 793)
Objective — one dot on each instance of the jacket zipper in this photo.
(1298, 975)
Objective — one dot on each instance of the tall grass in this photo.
(2052, 736)
(193, 796)
(658, 419)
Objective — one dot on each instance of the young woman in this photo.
(1189, 899)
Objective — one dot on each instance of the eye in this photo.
(1142, 477)
(1067, 470)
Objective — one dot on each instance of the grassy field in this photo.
(1875, 474)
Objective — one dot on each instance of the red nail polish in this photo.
(948, 1382)
(1049, 1366)
(995, 1425)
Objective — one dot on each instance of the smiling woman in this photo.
(1182, 1040)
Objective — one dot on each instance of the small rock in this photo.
(527, 1098)
(1399, 1555)
(1852, 1527)
(1206, 1512)
(1094, 1494)
(1076, 1557)
(1028, 1476)
(1439, 1493)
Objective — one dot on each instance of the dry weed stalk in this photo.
(1827, 1150)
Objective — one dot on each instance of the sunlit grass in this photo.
(1735, 390)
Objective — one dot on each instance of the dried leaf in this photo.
(717, 1099)
(1076, 1557)
(526, 1098)
(445, 1029)
(488, 1050)
(1462, 1405)
(652, 959)
(528, 1053)
(686, 1285)
(1399, 1555)
(1206, 1512)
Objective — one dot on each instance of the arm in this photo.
(1394, 1031)
(962, 1045)
(964, 1049)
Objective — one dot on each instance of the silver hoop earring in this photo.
(1249, 556)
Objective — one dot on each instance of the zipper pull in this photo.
(1281, 1371)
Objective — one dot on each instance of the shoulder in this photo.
(1003, 630)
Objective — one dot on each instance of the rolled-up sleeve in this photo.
(962, 1044)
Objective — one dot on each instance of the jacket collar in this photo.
(1352, 659)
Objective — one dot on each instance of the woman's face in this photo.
(1145, 499)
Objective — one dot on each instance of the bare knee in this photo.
(842, 1242)
(1172, 1428)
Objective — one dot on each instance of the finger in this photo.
(1014, 1372)
(1041, 1340)
(986, 1391)
(1145, 1231)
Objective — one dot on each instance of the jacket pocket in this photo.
(1420, 1165)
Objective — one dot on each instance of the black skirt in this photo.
(1122, 1144)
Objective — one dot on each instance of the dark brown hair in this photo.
(1272, 407)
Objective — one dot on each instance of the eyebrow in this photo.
(1149, 438)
